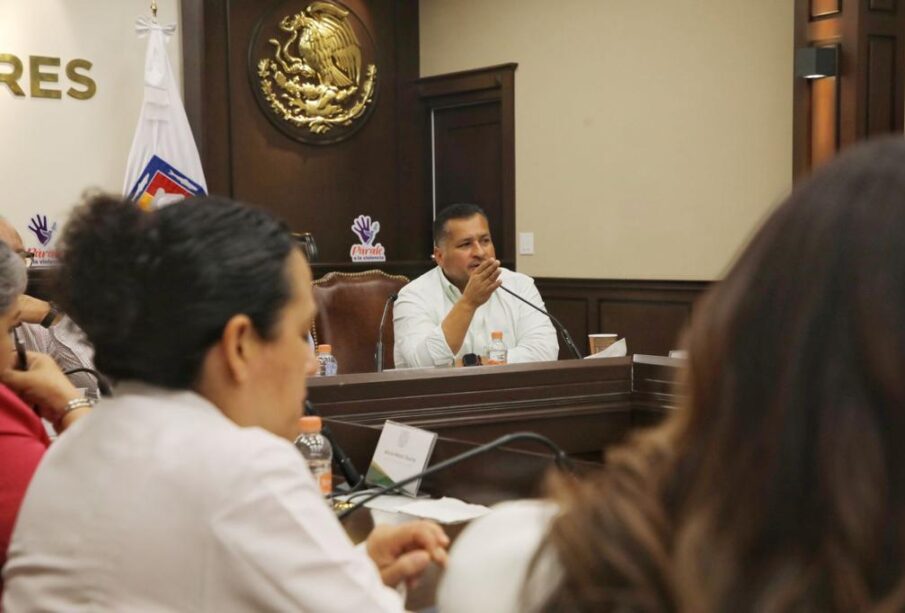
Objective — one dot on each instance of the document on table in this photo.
(444, 510)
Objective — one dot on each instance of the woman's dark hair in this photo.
(154, 290)
(780, 484)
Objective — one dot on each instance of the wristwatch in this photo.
(51, 316)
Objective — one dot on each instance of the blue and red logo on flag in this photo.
(160, 184)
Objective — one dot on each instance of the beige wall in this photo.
(651, 137)
(53, 149)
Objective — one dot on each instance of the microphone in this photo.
(378, 354)
(556, 323)
(353, 477)
(561, 459)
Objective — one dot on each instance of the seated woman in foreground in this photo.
(23, 439)
(182, 493)
(780, 484)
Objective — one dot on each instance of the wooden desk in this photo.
(498, 475)
(582, 405)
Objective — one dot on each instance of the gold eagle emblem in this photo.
(314, 78)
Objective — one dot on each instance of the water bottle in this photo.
(328, 365)
(496, 351)
(316, 450)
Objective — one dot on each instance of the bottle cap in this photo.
(310, 424)
(496, 335)
(324, 349)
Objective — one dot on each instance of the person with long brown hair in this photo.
(779, 485)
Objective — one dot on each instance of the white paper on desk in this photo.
(616, 350)
(389, 503)
(445, 510)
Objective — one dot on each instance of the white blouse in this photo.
(157, 502)
(489, 562)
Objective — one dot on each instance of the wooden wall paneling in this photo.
(648, 327)
(823, 8)
(573, 314)
(881, 61)
(650, 314)
(319, 189)
(889, 6)
(205, 49)
(315, 188)
(870, 80)
(412, 223)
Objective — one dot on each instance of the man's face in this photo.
(466, 245)
(281, 368)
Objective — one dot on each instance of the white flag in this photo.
(164, 166)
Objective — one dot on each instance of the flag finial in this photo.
(154, 9)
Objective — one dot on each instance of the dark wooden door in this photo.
(470, 148)
(468, 160)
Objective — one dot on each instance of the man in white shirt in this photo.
(45, 330)
(451, 310)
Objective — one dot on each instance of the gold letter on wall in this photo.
(82, 79)
(35, 62)
(12, 78)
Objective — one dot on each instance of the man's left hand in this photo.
(403, 552)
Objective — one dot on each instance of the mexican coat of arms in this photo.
(314, 81)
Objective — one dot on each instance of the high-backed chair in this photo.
(349, 306)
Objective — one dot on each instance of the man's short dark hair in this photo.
(454, 211)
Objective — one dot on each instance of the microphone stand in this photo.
(353, 477)
(556, 323)
(561, 459)
(378, 354)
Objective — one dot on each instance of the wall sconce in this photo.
(816, 62)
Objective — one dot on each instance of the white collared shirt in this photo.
(424, 303)
(66, 343)
(494, 565)
(157, 502)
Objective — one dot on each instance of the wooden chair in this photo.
(349, 306)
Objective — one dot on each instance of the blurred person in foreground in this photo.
(184, 491)
(452, 309)
(23, 439)
(45, 329)
(779, 485)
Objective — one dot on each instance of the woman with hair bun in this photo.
(23, 439)
(184, 492)
(779, 484)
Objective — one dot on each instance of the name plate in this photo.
(402, 451)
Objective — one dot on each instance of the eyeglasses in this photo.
(27, 256)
